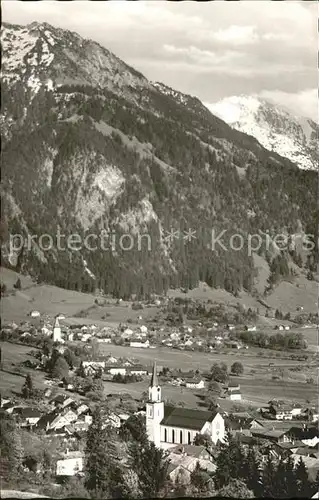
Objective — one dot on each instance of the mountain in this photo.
(96, 155)
(293, 137)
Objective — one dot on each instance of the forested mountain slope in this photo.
(89, 144)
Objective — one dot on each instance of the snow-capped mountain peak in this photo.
(39, 52)
(277, 129)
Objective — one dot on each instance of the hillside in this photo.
(277, 129)
(90, 145)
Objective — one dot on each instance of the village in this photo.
(79, 364)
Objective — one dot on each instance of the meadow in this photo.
(257, 384)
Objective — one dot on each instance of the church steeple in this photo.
(154, 390)
(154, 379)
(154, 409)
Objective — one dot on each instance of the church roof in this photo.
(186, 418)
(154, 379)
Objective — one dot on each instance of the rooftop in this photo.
(189, 449)
(29, 413)
(186, 418)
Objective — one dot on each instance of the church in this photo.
(168, 426)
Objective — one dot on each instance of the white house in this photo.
(168, 425)
(251, 328)
(233, 392)
(138, 370)
(4, 401)
(45, 331)
(296, 411)
(28, 416)
(86, 337)
(188, 343)
(235, 395)
(127, 332)
(35, 314)
(312, 414)
(195, 384)
(71, 465)
(91, 367)
(117, 370)
(57, 331)
(140, 344)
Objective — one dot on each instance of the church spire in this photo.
(154, 379)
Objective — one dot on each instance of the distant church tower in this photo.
(154, 410)
(56, 331)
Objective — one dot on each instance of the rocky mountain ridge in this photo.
(277, 129)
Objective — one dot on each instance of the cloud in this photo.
(237, 35)
(304, 103)
(210, 49)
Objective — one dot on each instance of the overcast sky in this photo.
(211, 50)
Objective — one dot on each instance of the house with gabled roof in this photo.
(181, 466)
(198, 452)
(61, 401)
(28, 416)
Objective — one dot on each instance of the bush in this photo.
(237, 368)
(94, 395)
(137, 306)
(17, 284)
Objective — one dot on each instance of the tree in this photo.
(150, 465)
(60, 368)
(218, 373)
(235, 489)
(95, 349)
(73, 488)
(100, 457)
(203, 440)
(213, 388)
(11, 451)
(134, 428)
(27, 389)
(201, 480)
(72, 360)
(229, 463)
(302, 480)
(290, 481)
(252, 471)
(279, 482)
(268, 478)
(237, 368)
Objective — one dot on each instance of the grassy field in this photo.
(12, 378)
(51, 300)
(195, 360)
(252, 393)
(287, 295)
(257, 387)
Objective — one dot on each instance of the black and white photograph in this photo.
(159, 250)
